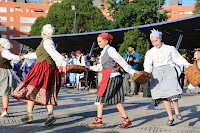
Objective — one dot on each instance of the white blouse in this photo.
(8, 55)
(165, 55)
(117, 58)
(51, 50)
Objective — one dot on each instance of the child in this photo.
(7, 82)
(110, 89)
(41, 85)
(164, 86)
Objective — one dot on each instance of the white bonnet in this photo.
(5, 43)
(155, 33)
(48, 30)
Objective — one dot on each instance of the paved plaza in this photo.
(76, 109)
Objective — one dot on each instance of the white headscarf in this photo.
(155, 33)
(48, 30)
(5, 43)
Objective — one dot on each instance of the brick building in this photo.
(179, 11)
(16, 20)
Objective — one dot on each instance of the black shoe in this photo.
(27, 119)
(50, 120)
(170, 122)
(179, 117)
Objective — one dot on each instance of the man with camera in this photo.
(132, 58)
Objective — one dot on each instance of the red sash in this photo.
(104, 81)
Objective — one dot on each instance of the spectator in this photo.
(80, 61)
(87, 60)
(72, 76)
(133, 59)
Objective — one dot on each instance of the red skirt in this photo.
(41, 85)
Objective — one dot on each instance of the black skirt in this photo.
(114, 92)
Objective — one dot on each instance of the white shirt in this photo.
(117, 58)
(51, 50)
(8, 55)
(165, 55)
(82, 63)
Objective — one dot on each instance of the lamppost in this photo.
(158, 12)
(74, 9)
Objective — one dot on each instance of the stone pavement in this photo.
(76, 109)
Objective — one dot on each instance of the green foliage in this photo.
(28, 49)
(137, 38)
(37, 26)
(61, 16)
(136, 12)
(197, 7)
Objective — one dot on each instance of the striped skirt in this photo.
(114, 93)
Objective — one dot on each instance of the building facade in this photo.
(16, 20)
(178, 12)
(175, 3)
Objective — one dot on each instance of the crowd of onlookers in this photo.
(91, 79)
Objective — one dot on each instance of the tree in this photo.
(128, 13)
(61, 16)
(137, 38)
(197, 7)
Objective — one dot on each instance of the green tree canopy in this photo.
(197, 7)
(128, 13)
(61, 16)
(137, 38)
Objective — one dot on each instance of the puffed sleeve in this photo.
(177, 58)
(118, 58)
(148, 62)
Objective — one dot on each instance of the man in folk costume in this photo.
(80, 61)
(110, 89)
(7, 81)
(41, 85)
(159, 61)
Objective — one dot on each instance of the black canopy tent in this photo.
(184, 31)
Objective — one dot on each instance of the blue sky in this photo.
(185, 2)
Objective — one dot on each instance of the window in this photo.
(10, 36)
(3, 19)
(11, 28)
(47, 11)
(11, 46)
(188, 12)
(181, 12)
(3, 28)
(11, 9)
(27, 20)
(23, 35)
(16, 9)
(11, 19)
(4, 36)
(25, 28)
(21, 46)
(26, 10)
(3, 9)
(57, 1)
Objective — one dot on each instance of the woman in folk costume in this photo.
(7, 82)
(164, 86)
(110, 89)
(72, 76)
(41, 85)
